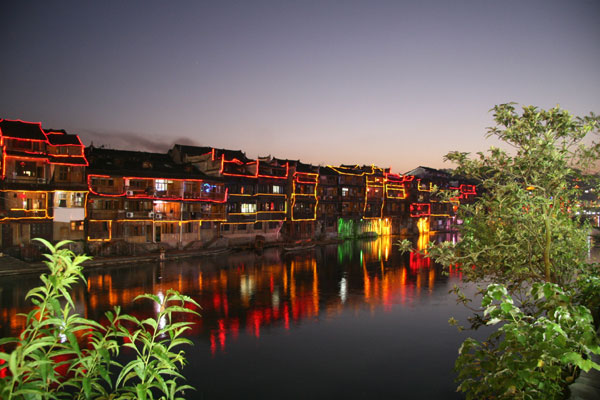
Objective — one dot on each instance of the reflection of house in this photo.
(145, 198)
(42, 189)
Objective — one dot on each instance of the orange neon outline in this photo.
(110, 221)
(44, 210)
(373, 168)
(297, 180)
(424, 190)
(146, 197)
(401, 188)
(45, 153)
(287, 170)
(370, 185)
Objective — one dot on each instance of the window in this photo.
(26, 168)
(248, 208)
(78, 199)
(277, 189)
(63, 173)
(62, 199)
(344, 192)
(208, 225)
(188, 228)
(160, 185)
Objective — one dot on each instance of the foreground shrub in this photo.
(531, 356)
(62, 355)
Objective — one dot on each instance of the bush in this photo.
(531, 356)
(62, 355)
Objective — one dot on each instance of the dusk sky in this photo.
(392, 83)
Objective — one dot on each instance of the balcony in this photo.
(215, 197)
(241, 217)
(270, 216)
(103, 214)
(144, 214)
(23, 214)
(200, 215)
(25, 179)
(303, 214)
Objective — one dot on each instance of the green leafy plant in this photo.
(62, 355)
(524, 235)
(523, 227)
(529, 356)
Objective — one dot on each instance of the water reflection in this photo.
(243, 291)
(352, 308)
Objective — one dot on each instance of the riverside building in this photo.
(120, 202)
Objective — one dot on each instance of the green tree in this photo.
(524, 226)
(524, 236)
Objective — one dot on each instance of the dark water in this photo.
(350, 321)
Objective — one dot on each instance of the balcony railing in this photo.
(37, 213)
(270, 216)
(103, 214)
(241, 217)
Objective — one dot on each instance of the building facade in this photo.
(128, 202)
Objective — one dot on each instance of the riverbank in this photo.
(13, 266)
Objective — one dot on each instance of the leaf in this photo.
(141, 391)
(87, 386)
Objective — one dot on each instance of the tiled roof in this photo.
(22, 130)
(58, 139)
(136, 163)
(73, 160)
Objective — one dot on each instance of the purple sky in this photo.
(391, 83)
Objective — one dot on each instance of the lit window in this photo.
(160, 185)
(76, 225)
(248, 207)
(277, 189)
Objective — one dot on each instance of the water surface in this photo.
(353, 320)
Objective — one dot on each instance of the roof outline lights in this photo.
(287, 170)
(297, 179)
(363, 173)
(238, 162)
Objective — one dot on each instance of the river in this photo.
(356, 320)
